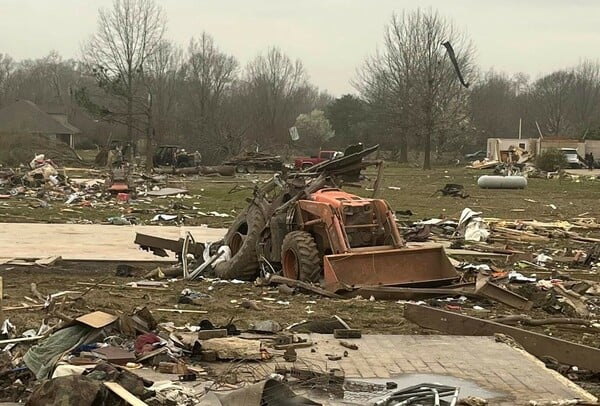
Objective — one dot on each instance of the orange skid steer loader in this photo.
(317, 233)
(350, 242)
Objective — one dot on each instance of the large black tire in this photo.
(300, 257)
(239, 225)
(244, 263)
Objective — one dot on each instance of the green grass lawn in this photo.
(417, 193)
(572, 198)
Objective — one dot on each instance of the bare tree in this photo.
(552, 95)
(494, 106)
(7, 68)
(414, 79)
(128, 35)
(209, 75)
(44, 80)
(233, 119)
(384, 90)
(277, 91)
(586, 97)
(162, 78)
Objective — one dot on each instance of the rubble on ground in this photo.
(517, 280)
(130, 196)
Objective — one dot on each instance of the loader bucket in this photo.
(412, 266)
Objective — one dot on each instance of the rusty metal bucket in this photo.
(411, 266)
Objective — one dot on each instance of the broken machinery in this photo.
(304, 226)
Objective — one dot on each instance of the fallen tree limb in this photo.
(277, 279)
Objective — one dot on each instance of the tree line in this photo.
(420, 94)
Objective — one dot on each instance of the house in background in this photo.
(25, 117)
(498, 148)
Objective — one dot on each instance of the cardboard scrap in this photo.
(115, 355)
(97, 319)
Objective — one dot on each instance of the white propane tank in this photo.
(502, 182)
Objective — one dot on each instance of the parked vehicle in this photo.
(572, 158)
(304, 162)
(476, 156)
(173, 155)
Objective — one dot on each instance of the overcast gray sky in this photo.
(331, 37)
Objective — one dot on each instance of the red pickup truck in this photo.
(304, 162)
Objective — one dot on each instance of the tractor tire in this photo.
(251, 168)
(244, 263)
(300, 257)
(239, 225)
(241, 169)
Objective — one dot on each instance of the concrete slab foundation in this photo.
(90, 242)
(509, 375)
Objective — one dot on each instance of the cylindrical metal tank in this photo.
(502, 182)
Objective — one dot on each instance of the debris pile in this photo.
(301, 244)
(250, 162)
(127, 197)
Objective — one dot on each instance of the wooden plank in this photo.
(20, 262)
(565, 352)
(293, 345)
(48, 261)
(20, 340)
(208, 334)
(124, 394)
(458, 252)
(108, 285)
(181, 311)
(489, 290)
(148, 355)
(153, 284)
(26, 306)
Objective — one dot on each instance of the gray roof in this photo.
(53, 108)
(25, 117)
